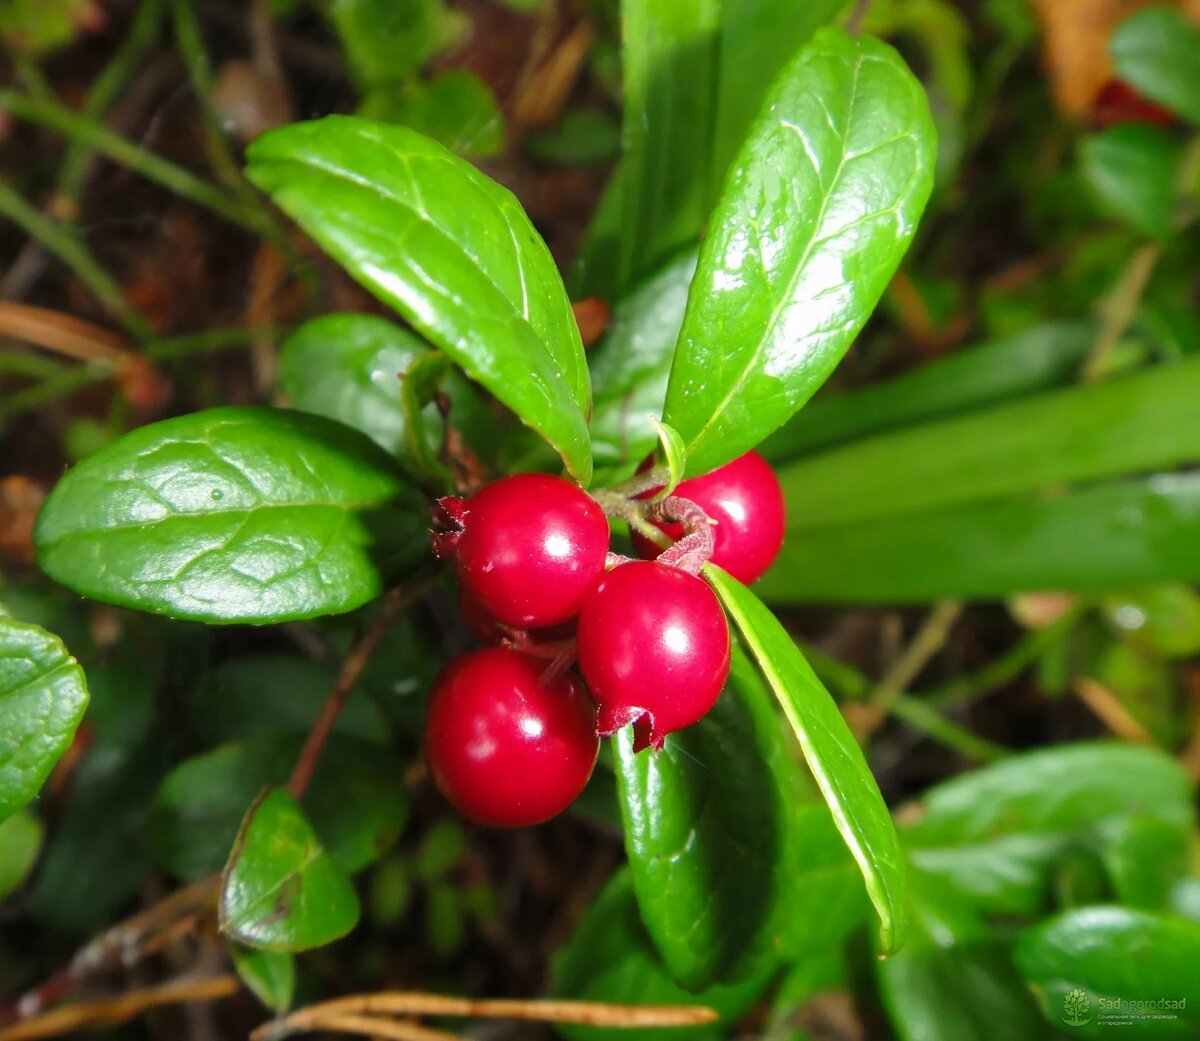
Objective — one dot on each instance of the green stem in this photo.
(30, 75)
(123, 152)
(107, 86)
(170, 348)
(71, 252)
(51, 390)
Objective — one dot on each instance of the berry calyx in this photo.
(654, 649)
(745, 500)
(507, 748)
(529, 548)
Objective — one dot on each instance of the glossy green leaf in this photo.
(954, 979)
(388, 40)
(270, 975)
(1162, 619)
(669, 62)
(1041, 358)
(280, 890)
(996, 836)
(816, 213)
(357, 801)
(450, 250)
(1157, 52)
(1137, 972)
(673, 455)
(246, 697)
(631, 364)
(43, 695)
(1132, 170)
(706, 836)
(610, 958)
(832, 754)
(757, 37)
(1113, 536)
(20, 843)
(232, 515)
(455, 108)
(349, 367)
(1137, 424)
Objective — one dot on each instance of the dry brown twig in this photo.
(366, 1011)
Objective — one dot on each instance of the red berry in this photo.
(507, 749)
(531, 547)
(653, 648)
(1119, 103)
(745, 500)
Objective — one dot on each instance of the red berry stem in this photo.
(559, 665)
(616, 504)
(695, 549)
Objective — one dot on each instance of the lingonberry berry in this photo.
(745, 500)
(529, 548)
(507, 748)
(653, 648)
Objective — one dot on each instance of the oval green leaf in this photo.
(1132, 170)
(1157, 52)
(450, 250)
(1085, 959)
(832, 754)
(43, 695)
(233, 515)
(816, 213)
(280, 890)
(20, 844)
(706, 836)
(270, 975)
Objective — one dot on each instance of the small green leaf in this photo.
(20, 843)
(357, 801)
(455, 108)
(388, 40)
(706, 836)
(832, 754)
(349, 367)
(674, 455)
(631, 364)
(1146, 857)
(816, 213)
(43, 695)
(1162, 619)
(270, 975)
(1041, 358)
(1157, 52)
(1132, 169)
(450, 250)
(1115, 954)
(610, 958)
(419, 389)
(232, 515)
(38, 26)
(280, 890)
(584, 137)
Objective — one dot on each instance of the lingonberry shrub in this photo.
(745, 503)
(654, 648)
(527, 547)
(508, 744)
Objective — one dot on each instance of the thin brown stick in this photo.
(1107, 706)
(930, 639)
(89, 1015)
(394, 604)
(369, 1026)
(124, 944)
(61, 333)
(416, 1003)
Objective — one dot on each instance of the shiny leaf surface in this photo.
(280, 890)
(832, 754)
(43, 695)
(232, 515)
(1157, 52)
(450, 250)
(816, 213)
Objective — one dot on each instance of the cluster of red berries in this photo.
(512, 731)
